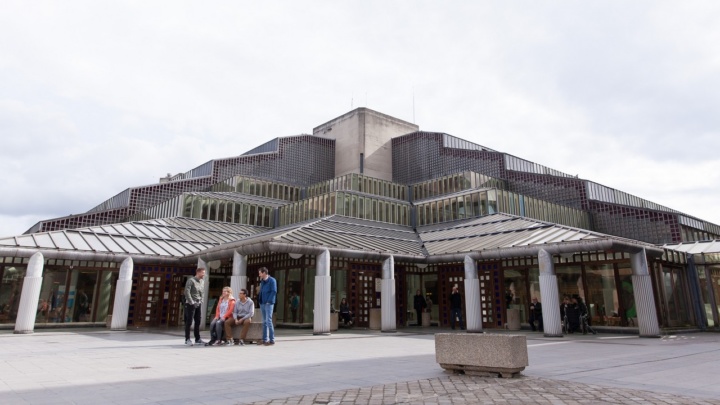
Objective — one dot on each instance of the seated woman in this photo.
(223, 312)
(345, 313)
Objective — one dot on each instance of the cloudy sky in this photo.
(96, 97)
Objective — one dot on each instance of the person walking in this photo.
(419, 304)
(536, 315)
(266, 296)
(456, 308)
(223, 312)
(242, 315)
(194, 289)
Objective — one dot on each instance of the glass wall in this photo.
(10, 291)
(516, 292)
(602, 300)
(76, 295)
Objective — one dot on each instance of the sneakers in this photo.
(199, 342)
(188, 342)
(268, 343)
(241, 342)
(210, 343)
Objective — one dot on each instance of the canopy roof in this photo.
(186, 239)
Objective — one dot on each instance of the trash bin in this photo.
(426, 319)
(375, 318)
(513, 319)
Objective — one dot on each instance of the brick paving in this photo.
(467, 389)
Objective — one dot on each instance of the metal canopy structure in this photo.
(152, 240)
(184, 240)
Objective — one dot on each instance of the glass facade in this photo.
(13, 276)
(360, 183)
(346, 204)
(72, 295)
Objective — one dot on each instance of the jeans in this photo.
(192, 313)
(216, 330)
(456, 313)
(268, 330)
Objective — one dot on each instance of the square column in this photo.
(238, 280)
(550, 295)
(206, 292)
(30, 295)
(644, 299)
(387, 297)
(321, 316)
(122, 296)
(472, 296)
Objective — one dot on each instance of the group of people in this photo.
(229, 311)
(573, 314)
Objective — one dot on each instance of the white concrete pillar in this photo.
(473, 308)
(644, 299)
(550, 295)
(321, 316)
(122, 296)
(388, 320)
(30, 295)
(238, 280)
(206, 292)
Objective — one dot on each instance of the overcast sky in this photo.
(96, 97)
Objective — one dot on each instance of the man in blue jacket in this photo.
(266, 297)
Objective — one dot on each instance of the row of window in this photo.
(262, 188)
(454, 183)
(215, 209)
(516, 204)
(347, 204)
(359, 182)
(692, 235)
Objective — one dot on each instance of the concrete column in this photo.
(644, 298)
(321, 318)
(206, 292)
(550, 296)
(238, 280)
(388, 320)
(473, 307)
(30, 295)
(122, 296)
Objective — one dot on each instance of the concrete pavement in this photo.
(351, 366)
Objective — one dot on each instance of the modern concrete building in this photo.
(371, 209)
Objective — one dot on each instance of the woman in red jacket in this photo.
(223, 312)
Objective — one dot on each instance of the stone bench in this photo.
(256, 330)
(470, 353)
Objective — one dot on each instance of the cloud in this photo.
(96, 98)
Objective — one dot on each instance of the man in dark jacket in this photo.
(536, 315)
(456, 308)
(419, 304)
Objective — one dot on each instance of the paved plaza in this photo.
(96, 366)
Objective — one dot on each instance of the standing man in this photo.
(456, 308)
(193, 301)
(419, 304)
(242, 315)
(266, 296)
(536, 315)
